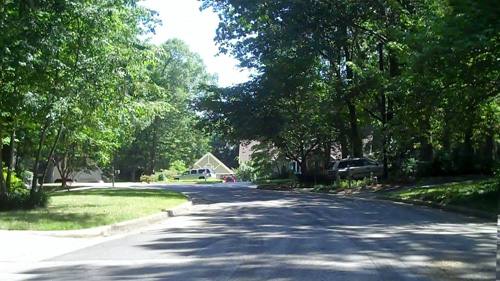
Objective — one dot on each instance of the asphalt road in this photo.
(239, 233)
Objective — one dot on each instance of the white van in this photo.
(201, 174)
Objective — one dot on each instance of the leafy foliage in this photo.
(398, 80)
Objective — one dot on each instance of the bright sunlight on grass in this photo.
(480, 195)
(91, 208)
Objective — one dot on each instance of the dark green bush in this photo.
(24, 201)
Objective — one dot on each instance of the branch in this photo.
(372, 32)
(374, 115)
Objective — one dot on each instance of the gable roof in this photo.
(210, 161)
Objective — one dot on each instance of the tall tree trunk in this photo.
(344, 144)
(425, 144)
(383, 112)
(12, 154)
(356, 142)
(489, 151)
(327, 147)
(303, 165)
(51, 153)
(62, 168)
(154, 145)
(43, 134)
(3, 189)
(468, 152)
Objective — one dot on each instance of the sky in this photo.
(182, 19)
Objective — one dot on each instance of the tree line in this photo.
(79, 87)
(414, 84)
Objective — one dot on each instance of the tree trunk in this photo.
(383, 113)
(62, 168)
(425, 144)
(303, 165)
(468, 152)
(344, 144)
(154, 145)
(59, 131)
(43, 133)
(3, 189)
(356, 142)
(328, 152)
(12, 160)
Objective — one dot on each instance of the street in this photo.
(236, 232)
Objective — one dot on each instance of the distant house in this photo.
(247, 149)
(83, 175)
(210, 161)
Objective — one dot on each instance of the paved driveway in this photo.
(240, 233)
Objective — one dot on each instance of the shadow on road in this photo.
(248, 234)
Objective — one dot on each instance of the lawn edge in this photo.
(119, 227)
(446, 207)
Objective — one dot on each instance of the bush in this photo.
(178, 165)
(147, 178)
(245, 172)
(16, 184)
(24, 201)
(161, 177)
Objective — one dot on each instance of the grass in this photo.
(91, 208)
(479, 195)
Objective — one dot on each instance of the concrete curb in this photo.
(120, 227)
(456, 209)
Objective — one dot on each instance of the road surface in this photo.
(236, 232)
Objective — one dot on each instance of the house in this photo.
(93, 174)
(247, 149)
(211, 162)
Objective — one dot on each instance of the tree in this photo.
(177, 73)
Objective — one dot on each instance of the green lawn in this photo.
(480, 195)
(90, 208)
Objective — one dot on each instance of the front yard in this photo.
(91, 208)
(480, 195)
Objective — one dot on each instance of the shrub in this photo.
(16, 184)
(24, 201)
(147, 178)
(161, 177)
(178, 165)
(245, 172)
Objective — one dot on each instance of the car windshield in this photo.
(344, 164)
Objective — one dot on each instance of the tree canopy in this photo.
(394, 80)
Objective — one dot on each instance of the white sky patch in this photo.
(182, 19)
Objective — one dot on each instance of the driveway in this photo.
(236, 232)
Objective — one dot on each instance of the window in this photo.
(185, 173)
(370, 163)
(358, 163)
(193, 172)
(201, 171)
(344, 164)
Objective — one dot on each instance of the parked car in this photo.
(204, 173)
(357, 168)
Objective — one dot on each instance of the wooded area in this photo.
(413, 84)
(80, 88)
